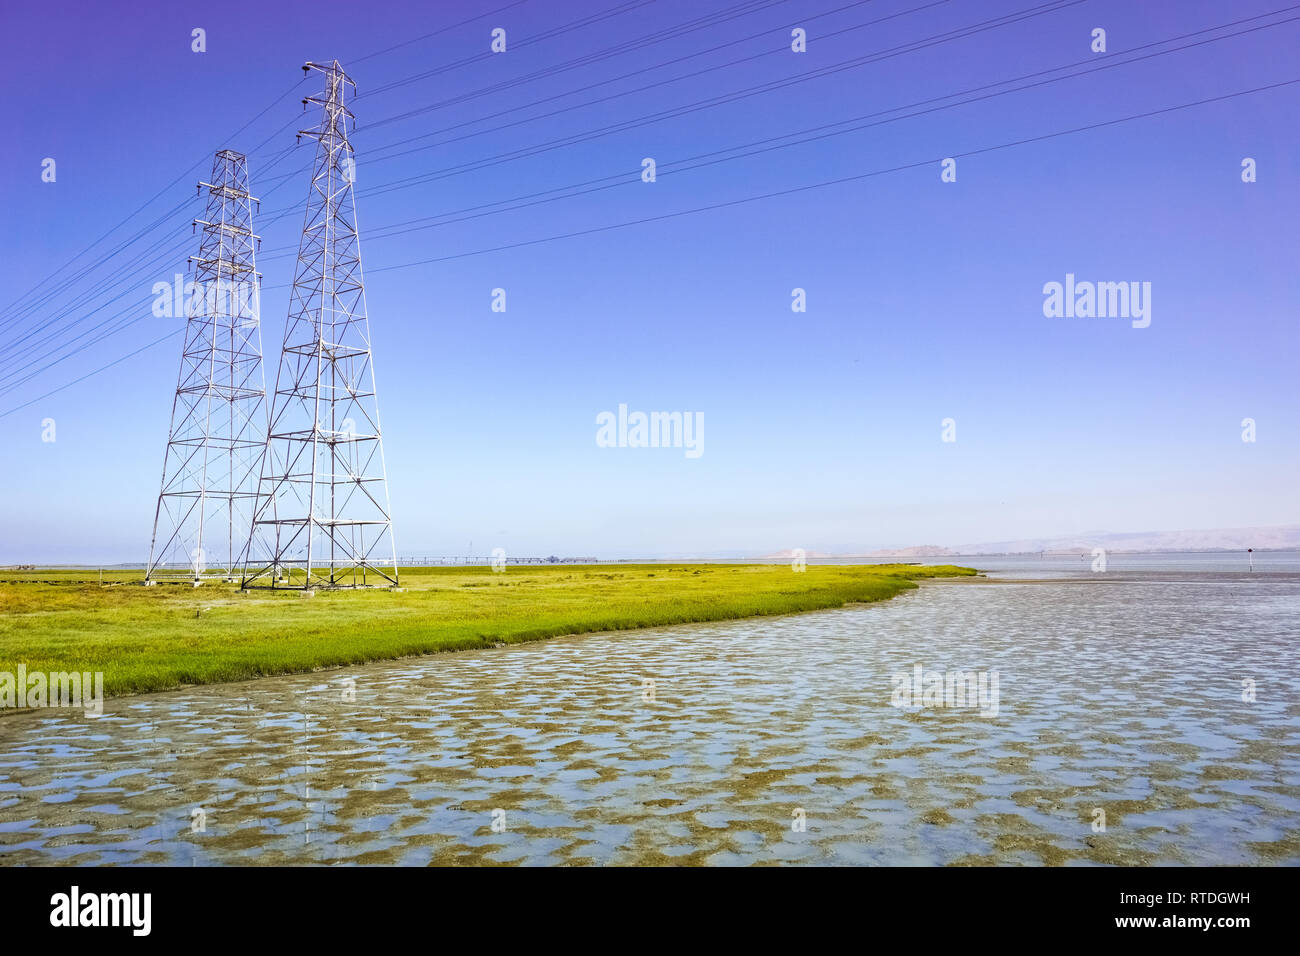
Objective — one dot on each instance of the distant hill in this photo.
(916, 551)
(1273, 538)
(1284, 537)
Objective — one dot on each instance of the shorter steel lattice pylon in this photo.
(218, 426)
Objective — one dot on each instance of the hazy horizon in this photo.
(1103, 539)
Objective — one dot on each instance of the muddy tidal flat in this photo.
(1142, 717)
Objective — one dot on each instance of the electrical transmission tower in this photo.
(322, 517)
(218, 427)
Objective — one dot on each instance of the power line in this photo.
(7, 370)
(823, 131)
(742, 201)
(657, 66)
(154, 263)
(37, 304)
(128, 274)
(965, 31)
(148, 202)
(673, 113)
(699, 22)
(1105, 65)
(77, 298)
(840, 181)
(102, 368)
(4, 313)
(575, 139)
(564, 28)
(587, 59)
(708, 20)
(169, 255)
(438, 32)
(997, 21)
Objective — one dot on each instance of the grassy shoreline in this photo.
(169, 636)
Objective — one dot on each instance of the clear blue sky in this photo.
(822, 429)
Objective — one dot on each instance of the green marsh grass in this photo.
(172, 635)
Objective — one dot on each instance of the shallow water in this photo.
(1119, 691)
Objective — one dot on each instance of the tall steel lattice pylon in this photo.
(322, 500)
(218, 427)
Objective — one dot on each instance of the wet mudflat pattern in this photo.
(1121, 692)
